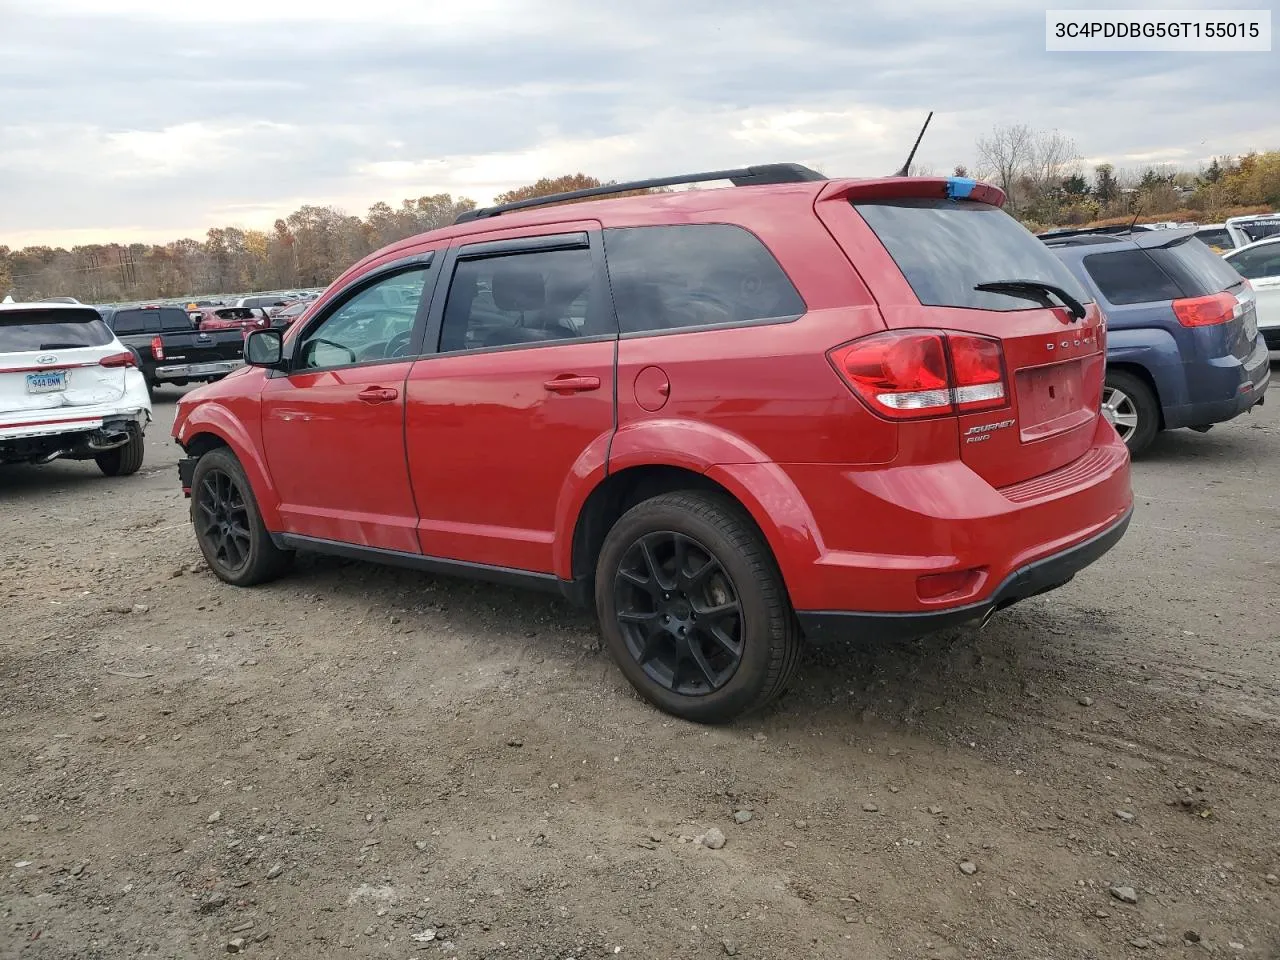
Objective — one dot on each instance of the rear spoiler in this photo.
(906, 188)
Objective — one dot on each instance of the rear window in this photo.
(1217, 238)
(1131, 276)
(946, 247)
(25, 330)
(129, 322)
(1198, 270)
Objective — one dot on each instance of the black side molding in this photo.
(1035, 578)
(527, 579)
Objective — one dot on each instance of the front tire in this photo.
(228, 524)
(693, 608)
(123, 460)
(1130, 406)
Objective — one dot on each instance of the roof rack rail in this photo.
(768, 173)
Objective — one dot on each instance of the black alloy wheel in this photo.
(222, 520)
(679, 613)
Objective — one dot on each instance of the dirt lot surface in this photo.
(360, 762)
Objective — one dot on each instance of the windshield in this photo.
(1257, 229)
(945, 248)
(26, 330)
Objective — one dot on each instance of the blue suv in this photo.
(1183, 348)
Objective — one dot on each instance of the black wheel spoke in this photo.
(700, 658)
(222, 520)
(679, 613)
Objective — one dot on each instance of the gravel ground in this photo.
(361, 762)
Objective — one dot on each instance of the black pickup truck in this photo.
(170, 349)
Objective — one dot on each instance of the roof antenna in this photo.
(1136, 214)
(912, 155)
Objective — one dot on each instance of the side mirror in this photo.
(264, 348)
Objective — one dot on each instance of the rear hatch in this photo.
(1214, 296)
(1024, 371)
(53, 360)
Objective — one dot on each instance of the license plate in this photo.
(199, 368)
(1048, 393)
(51, 382)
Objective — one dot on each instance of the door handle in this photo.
(568, 383)
(378, 394)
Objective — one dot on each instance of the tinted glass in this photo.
(1257, 229)
(127, 322)
(24, 330)
(1197, 269)
(667, 278)
(172, 318)
(1258, 263)
(1216, 239)
(541, 297)
(1130, 276)
(945, 248)
(375, 324)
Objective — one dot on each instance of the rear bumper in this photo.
(196, 371)
(1035, 578)
(1234, 387)
(936, 540)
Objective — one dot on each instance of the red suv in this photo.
(728, 419)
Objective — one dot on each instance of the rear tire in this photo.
(124, 460)
(693, 608)
(228, 524)
(1130, 406)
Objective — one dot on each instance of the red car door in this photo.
(333, 427)
(517, 398)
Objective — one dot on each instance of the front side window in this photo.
(375, 324)
(695, 275)
(1258, 263)
(545, 296)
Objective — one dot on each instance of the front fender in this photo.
(212, 418)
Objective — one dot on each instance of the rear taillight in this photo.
(923, 373)
(1205, 311)
(125, 359)
(978, 367)
(157, 348)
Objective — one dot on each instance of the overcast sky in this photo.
(154, 119)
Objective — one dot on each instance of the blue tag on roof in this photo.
(958, 188)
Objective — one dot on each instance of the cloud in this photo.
(148, 118)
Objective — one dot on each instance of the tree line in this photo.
(1042, 172)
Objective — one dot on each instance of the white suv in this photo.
(69, 388)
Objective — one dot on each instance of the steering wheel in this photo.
(397, 345)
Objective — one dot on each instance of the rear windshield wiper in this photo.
(59, 345)
(1035, 290)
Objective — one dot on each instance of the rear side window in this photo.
(670, 278)
(1130, 276)
(25, 330)
(945, 248)
(1197, 269)
(129, 322)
